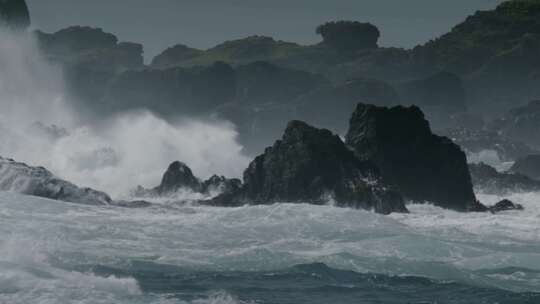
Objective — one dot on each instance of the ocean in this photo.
(56, 252)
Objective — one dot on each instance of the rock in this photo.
(423, 166)
(488, 180)
(178, 176)
(14, 14)
(38, 181)
(505, 205)
(310, 165)
(221, 184)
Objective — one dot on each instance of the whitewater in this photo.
(56, 252)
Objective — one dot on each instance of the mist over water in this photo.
(39, 126)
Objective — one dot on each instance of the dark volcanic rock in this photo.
(309, 165)
(38, 181)
(425, 167)
(528, 166)
(178, 176)
(14, 14)
(221, 184)
(489, 180)
(505, 205)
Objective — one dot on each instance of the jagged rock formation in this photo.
(38, 181)
(528, 166)
(425, 167)
(178, 176)
(488, 180)
(309, 165)
(14, 14)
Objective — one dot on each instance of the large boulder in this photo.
(178, 176)
(425, 167)
(488, 180)
(38, 181)
(505, 205)
(310, 165)
(528, 166)
(14, 14)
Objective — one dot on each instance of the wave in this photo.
(182, 254)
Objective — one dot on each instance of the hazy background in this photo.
(159, 24)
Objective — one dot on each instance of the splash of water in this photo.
(39, 125)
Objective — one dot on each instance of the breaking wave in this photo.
(53, 252)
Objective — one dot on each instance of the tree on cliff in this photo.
(14, 13)
(349, 35)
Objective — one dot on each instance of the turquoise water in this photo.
(54, 252)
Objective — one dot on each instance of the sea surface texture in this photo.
(55, 252)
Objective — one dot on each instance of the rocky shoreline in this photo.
(390, 156)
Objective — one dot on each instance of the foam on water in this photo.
(49, 250)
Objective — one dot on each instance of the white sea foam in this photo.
(112, 155)
(43, 242)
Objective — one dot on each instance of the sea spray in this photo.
(39, 125)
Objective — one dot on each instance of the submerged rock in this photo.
(505, 205)
(310, 165)
(38, 181)
(489, 180)
(425, 167)
(528, 166)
